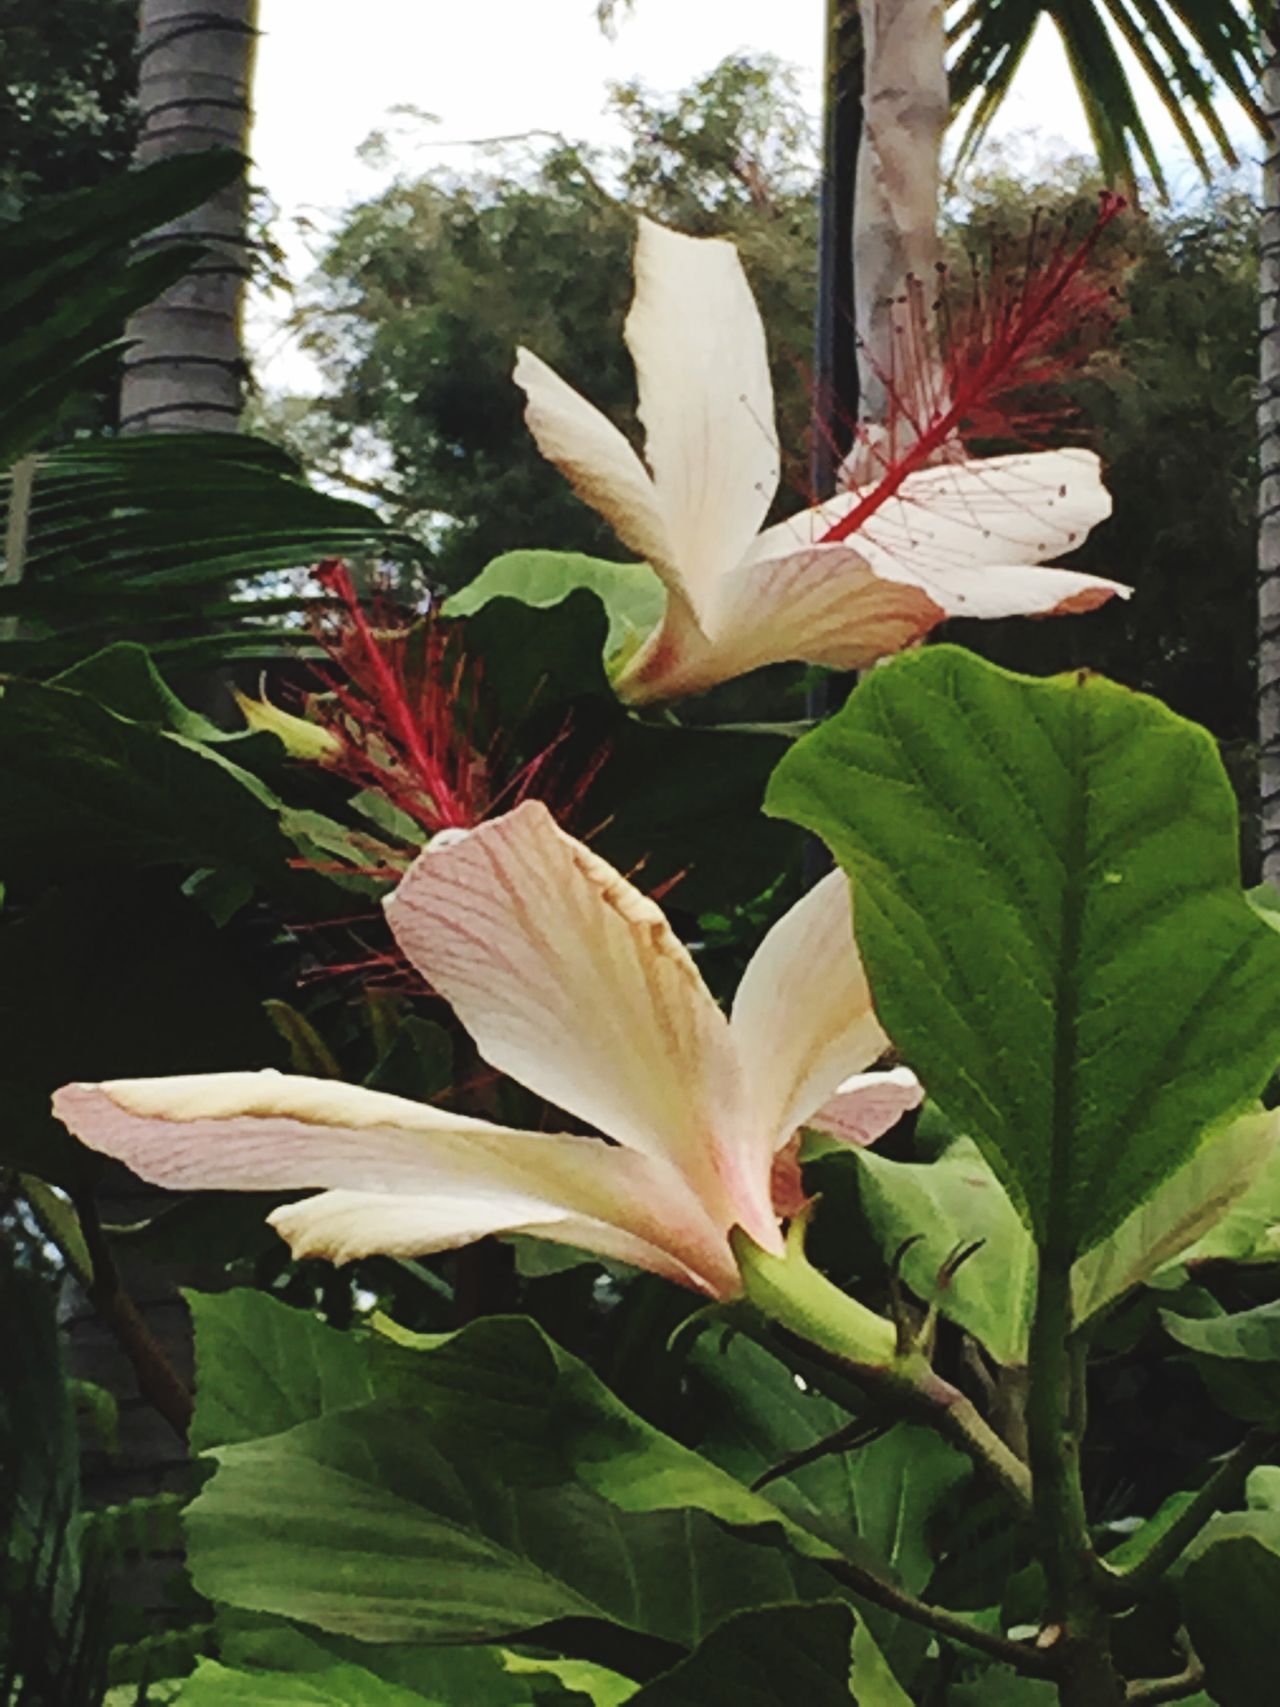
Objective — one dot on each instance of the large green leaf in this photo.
(494, 1677)
(214, 1685)
(1249, 1336)
(534, 1494)
(940, 1207)
(264, 1368)
(1230, 1590)
(886, 1491)
(632, 595)
(774, 1657)
(944, 1205)
(1047, 898)
(366, 1521)
(85, 788)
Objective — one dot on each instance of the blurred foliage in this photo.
(68, 85)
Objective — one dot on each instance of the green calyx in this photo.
(790, 1291)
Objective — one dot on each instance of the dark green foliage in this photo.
(149, 537)
(69, 279)
(68, 80)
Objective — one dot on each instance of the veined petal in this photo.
(820, 605)
(571, 981)
(1024, 508)
(706, 400)
(1015, 590)
(346, 1225)
(594, 457)
(468, 1178)
(867, 1105)
(802, 1019)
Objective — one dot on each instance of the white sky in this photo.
(329, 71)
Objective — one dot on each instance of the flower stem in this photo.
(1055, 1426)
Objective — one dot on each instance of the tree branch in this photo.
(1026, 1660)
(1149, 1691)
(158, 1381)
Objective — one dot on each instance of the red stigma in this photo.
(1002, 342)
(401, 700)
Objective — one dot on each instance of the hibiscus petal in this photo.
(346, 1225)
(867, 1105)
(594, 457)
(468, 1178)
(706, 400)
(1024, 508)
(572, 981)
(819, 605)
(802, 1018)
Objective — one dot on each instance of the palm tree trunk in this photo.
(185, 371)
(1269, 472)
(895, 234)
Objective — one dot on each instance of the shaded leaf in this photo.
(771, 1657)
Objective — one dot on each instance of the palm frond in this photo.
(144, 537)
(1189, 52)
(69, 278)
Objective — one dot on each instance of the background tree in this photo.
(1269, 457)
(185, 369)
(427, 289)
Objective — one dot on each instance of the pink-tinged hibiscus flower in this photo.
(573, 983)
(935, 534)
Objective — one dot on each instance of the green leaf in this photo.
(773, 1657)
(1230, 1591)
(754, 1415)
(593, 1683)
(1188, 1207)
(941, 1206)
(534, 1492)
(878, 1499)
(265, 1367)
(332, 1521)
(1250, 1336)
(214, 1685)
(957, 1199)
(1249, 1231)
(631, 593)
(1048, 902)
(492, 1676)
